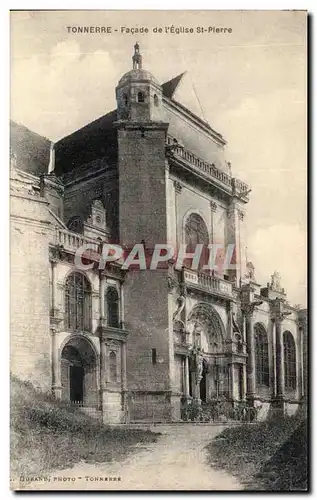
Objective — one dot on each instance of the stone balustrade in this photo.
(210, 283)
(72, 241)
(208, 168)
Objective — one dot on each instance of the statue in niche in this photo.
(199, 367)
(235, 325)
(196, 363)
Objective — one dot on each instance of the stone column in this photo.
(231, 381)
(273, 364)
(186, 376)
(279, 359)
(56, 366)
(124, 386)
(101, 301)
(235, 217)
(301, 343)
(103, 364)
(213, 208)
(251, 357)
(244, 381)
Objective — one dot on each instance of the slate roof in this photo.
(32, 150)
(95, 140)
(170, 87)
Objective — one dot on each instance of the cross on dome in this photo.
(137, 58)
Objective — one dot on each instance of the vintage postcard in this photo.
(158, 250)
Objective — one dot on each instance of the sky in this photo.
(250, 83)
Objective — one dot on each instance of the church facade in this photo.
(141, 344)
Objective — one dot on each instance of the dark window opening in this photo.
(112, 299)
(141, 97)
(156, 101)
(289, 361)
(262, 356)
(125, 99)
(154, 356)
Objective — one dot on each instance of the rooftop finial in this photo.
(137, 58)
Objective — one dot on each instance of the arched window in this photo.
(75, 224)
(196, 232)
(125, 99)
(261, 356)
(141, 97)
(113, 366)
(78, 302)
(156, 100)
(112, 306)
(289, 361)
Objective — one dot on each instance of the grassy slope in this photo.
(265, 455)
(46, 436)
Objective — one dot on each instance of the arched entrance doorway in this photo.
(79, 372)
(203, 382)
(207, 335)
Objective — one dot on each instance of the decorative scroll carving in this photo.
(172, 283)
(178, 187)
(181, 304)
(241, 214)
(213, 206)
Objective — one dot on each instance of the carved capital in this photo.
(241, 214)
(248, 309)
(172, 284)
(178, 187)
(279, 317)
(213, 206)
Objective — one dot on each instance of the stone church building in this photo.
(140, 344)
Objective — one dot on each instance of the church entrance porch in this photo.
(76, 383)
(79, 373)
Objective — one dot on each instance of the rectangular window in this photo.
(154, 356)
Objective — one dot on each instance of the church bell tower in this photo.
(143, 220)
(139, 95)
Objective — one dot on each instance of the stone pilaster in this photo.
(251, 357)
(56, 366)
(279, 359)
(248, 305)
(278, 315)
(186, 376)
(124, 385)
(103, 364)
(273, 377)
(235, 217)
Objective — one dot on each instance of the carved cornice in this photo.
(108, 333)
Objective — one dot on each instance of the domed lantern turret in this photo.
(139, 95)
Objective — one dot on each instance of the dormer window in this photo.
(141, 97)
